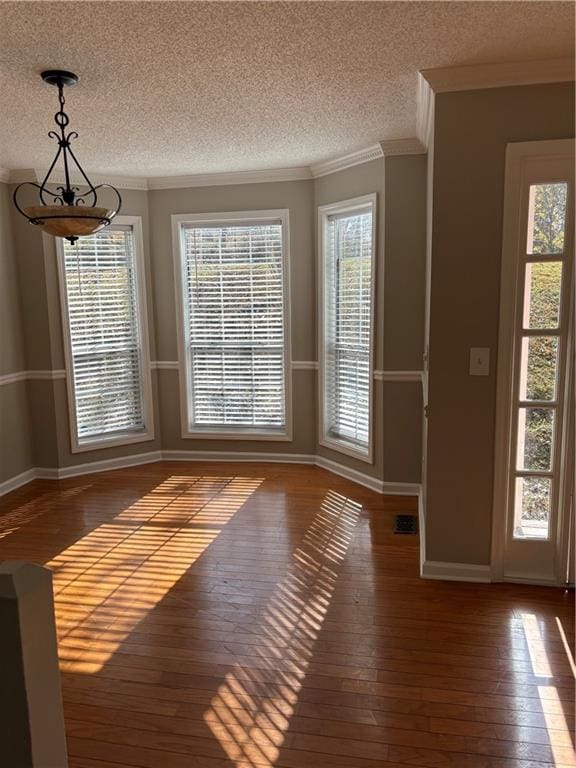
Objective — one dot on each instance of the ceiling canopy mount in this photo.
(59, 77)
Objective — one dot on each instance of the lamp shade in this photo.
(69, 220)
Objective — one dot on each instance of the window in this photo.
(106, 345)
(232, 271)
(347, 264)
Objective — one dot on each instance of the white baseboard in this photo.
(403, 489)
(422, 526)
(431, 569)
(380, 486)
(520, 578)
(17, 481)
(400, 489)
(237, 456)
(91, 467)
(350, 474)
(88, 468)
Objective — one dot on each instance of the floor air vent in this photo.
(406, 524)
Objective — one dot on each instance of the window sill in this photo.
(347, 448)
(237, 435)
(116, 441)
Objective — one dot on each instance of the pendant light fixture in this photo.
(63, 211)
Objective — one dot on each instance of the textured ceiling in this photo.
(192, 87)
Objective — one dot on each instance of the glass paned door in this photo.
(540, 300)
(542, 332)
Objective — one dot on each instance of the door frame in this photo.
(517, 154)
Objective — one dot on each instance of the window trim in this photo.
(324, 212)
(100, 442)
(231, 218)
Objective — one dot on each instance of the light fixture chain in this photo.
(62, 120)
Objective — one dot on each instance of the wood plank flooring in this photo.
(254, 615)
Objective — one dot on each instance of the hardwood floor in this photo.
(247, 615)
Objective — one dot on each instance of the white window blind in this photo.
(235, 336)
(104, 334)
(348, 269)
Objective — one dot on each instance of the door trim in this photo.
(516, 155)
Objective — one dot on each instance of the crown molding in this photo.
(477, 76)
(23, 175)
(235, 177)
(393, 147)
(366, 155)
(121, 182)
(424, 112)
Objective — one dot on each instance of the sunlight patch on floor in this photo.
(566, 644)
(557, 726)
(10, 522)
(251, 711)
(109, 580)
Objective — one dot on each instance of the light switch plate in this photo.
(479, 361)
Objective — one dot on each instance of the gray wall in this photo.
(297, 196)
(400, 184)
(12, 355)
(354, 182)
(134, 203)
(15, 435)
(15, 448)
(404, 292)
(471, 133)
(404, 262)
(40, 302)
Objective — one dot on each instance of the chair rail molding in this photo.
(165, 365)
(296, 365)
(391, 376)
(11, 378)
(304, 365)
